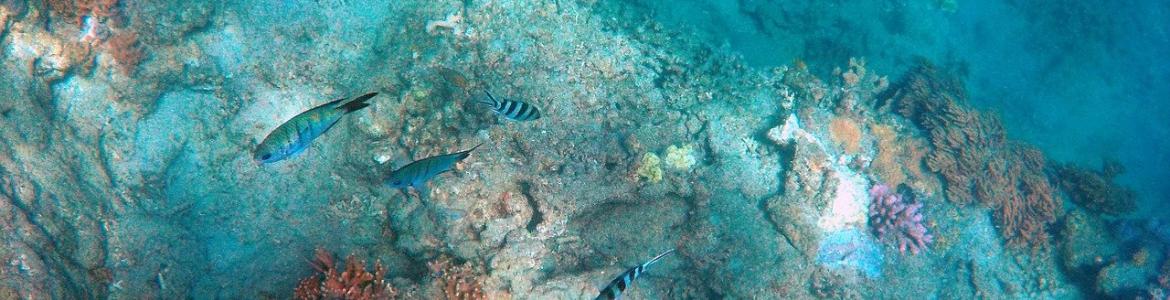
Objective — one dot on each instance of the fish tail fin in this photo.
(490, 101)
(357, 103)
(463, 155)
(656, 258)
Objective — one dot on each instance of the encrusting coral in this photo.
(649, 168)
(353, 283)
(900, 158)
(680, 157)
(1096, 190)
(975, 159)
(846, 133)
(894, 219)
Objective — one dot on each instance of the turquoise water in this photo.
(783, 149)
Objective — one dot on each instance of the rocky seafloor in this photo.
(126, 168)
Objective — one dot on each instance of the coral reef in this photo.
(895, 220)
(352, 283)
(976, 160)
(115, 186)
(455, 282)
(1096, 190)
(856, 86)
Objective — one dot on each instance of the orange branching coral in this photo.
(351, 284)
(846, 133)
(460, 282)
(1023, 213)
(975, 159)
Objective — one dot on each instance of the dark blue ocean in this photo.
(584, 149)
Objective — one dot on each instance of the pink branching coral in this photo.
(892, 219)
(352, 283)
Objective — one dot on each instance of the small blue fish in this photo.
(514, 110)
(618, 285)
(297, 133)
(416, 174)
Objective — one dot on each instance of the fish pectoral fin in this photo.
(422, 190)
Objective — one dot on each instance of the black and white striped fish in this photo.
(514, 110)
(618, 285)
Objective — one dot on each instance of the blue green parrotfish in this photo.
(615, 288)
(514, 110)
(297, 133)
(416, 174)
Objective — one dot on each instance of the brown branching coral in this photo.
(975, 159)
(353, 283)
(1096, 190)
(457, 282)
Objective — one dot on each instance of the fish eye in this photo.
(266, 157)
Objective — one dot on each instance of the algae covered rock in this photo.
(1088, 244)
(1122, 278)
(650, 168)
(680, 157)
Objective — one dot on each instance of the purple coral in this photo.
(892, 219)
